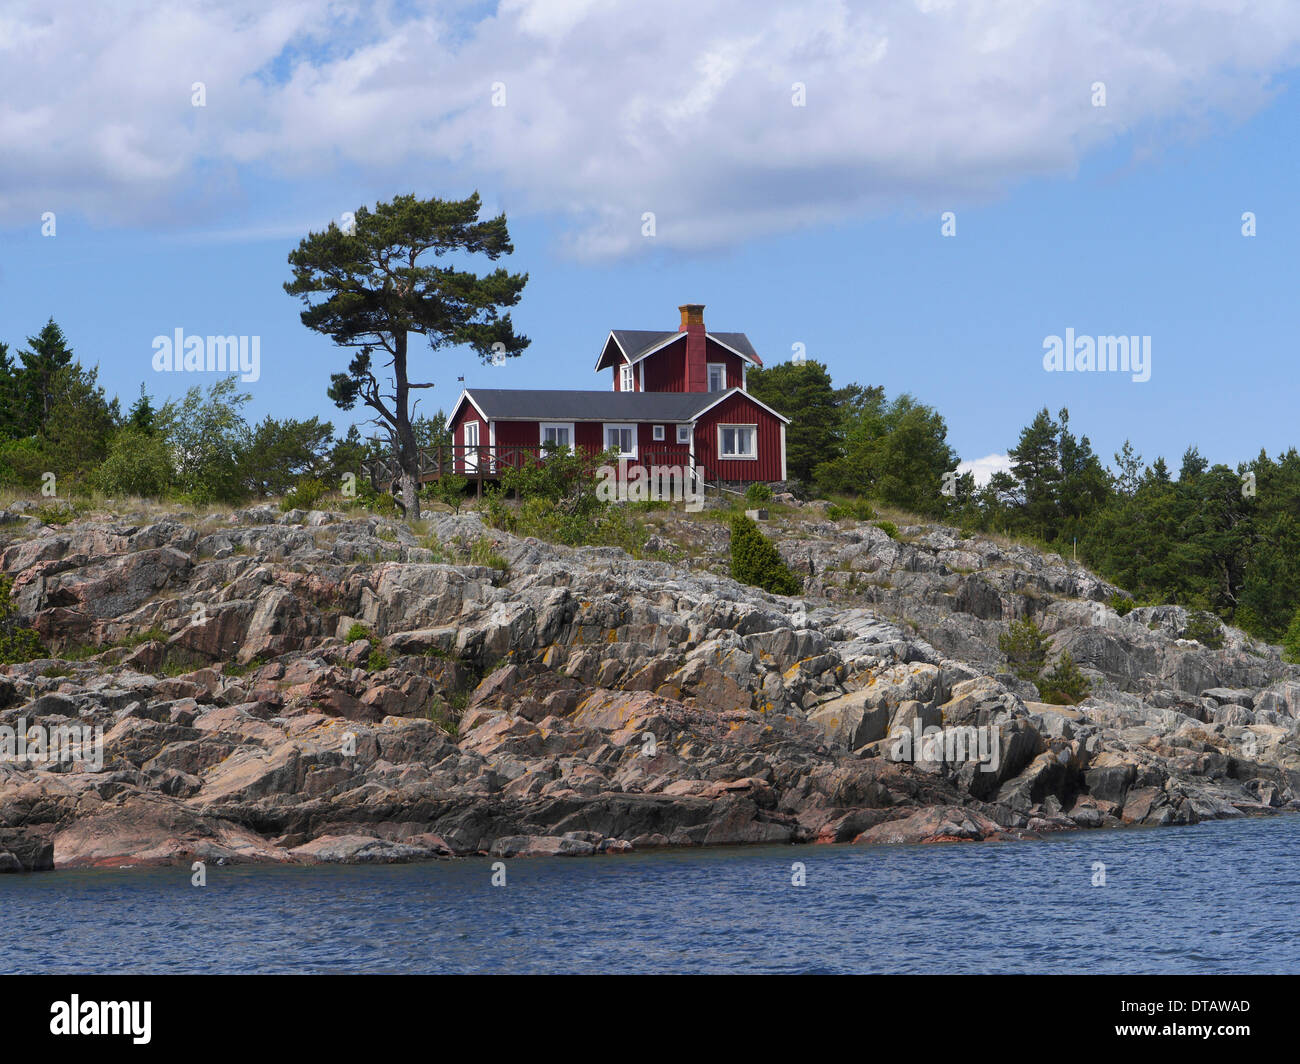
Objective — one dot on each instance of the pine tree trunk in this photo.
(408, 454)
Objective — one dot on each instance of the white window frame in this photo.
(470, 458)
(543, 426)
(683, 434)
(631, 426)
(753, 435)
(626, 378)
(721, 367)
(657, 433)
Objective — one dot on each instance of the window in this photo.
(625, 379)
(717, 377)
(622, 439)
(658, 433)
(683, 434)
(557, 434)
(737, 441)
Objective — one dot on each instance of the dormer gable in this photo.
(688, 360)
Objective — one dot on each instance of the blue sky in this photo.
(817, 225)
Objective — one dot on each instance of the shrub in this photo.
(449, 489)
(305, 495)
(1064, 685)
(55, 513)
(605, 525)
(888, 528)
(22, 462)
(1205, 628)
(755, 560)
(138, 463)
(377, 661)
(858, 509)
(17, 643)
(1291, 640)
(1121, 604)
(758, 493)
(1025, 647)
(358, 631)
(483, 552)
(565, 478)
(445, 716)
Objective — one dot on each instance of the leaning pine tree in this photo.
(376, 291)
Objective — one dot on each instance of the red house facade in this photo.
(676, 399)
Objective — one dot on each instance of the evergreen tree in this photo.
(802, 392)
(46, 354)
(374, 292)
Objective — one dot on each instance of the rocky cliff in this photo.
(579, 701)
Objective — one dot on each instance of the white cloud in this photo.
(677, 107)
(984, 468)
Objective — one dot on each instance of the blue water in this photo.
(1218, 897)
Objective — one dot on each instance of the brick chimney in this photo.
(697, 370)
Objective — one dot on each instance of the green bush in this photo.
(54, 513)
(1291, 640)
(1205, 628)
(483, 552)
(17, 643)
(377, 661)
(1121, 604)
(758, 494)
(1064, 685)
(605, 525)
(358, 631)
(888, 528)
(565, 478)
(305, 495)
(858, 509)
(1025, 647)
(448, 489)
(138, 463)
(755, 560)
(22, 462)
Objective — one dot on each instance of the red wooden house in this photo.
(677, 399)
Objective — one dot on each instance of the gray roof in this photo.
(740, 342)
(636, 341)
(544, 404)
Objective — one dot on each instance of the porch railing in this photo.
(490, 460)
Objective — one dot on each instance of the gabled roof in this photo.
(545, 404)
(739, 343)
(635, 344)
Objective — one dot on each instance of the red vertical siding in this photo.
(665, 370)
(589, 435)
(734, 363)
(739, 410)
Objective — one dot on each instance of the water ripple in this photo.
(1211, 898)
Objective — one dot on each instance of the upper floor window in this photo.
(625, 379)
(717, 377)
